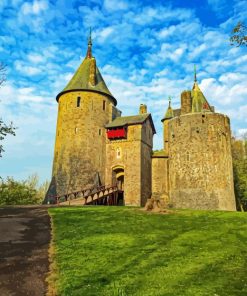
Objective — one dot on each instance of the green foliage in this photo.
(110, 251)
(239, 35)
(4, 128)
(239, 155)
(22, 192)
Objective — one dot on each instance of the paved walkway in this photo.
(24, 243)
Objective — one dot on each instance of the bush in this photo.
(25, 192)
(239, 155)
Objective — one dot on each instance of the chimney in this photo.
(143, 109)
(186, 102)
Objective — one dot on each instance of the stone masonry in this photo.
(93, 139)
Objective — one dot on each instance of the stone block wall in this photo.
(186, 102)
(200, 162)
(146, 162)
(80, 140)
(160, 177)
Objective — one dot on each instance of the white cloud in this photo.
(34, 8)
(115, 5)
(35, 122)
(103, 34)
(10, 95)
(36, 58)
(161, 13)
(26, 69)
(242, 132)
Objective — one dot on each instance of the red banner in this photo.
(117, 133)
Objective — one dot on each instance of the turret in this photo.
(200, 161)
(168, 115)
(85, 106)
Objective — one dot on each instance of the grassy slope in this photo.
(124, 251)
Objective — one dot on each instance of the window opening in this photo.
(78, 101)
(104, 105)
(118, 153)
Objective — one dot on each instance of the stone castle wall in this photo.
(160, 177)
(200, 162)
(80, 140)
(146, 162)
(135, 158)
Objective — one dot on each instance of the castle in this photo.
(94, 142)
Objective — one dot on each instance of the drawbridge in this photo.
(100, 195)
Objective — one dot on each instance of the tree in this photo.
(25, 192)
(4, 128)
(239, 35)
(239, 156)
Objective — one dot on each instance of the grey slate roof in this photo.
(130, 120)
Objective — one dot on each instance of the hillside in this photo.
(125, 251)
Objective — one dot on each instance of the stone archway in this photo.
(118, 179)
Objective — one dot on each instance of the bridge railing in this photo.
(98, 191)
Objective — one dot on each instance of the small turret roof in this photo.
(199, 102)
(80, 80)
(169, 112)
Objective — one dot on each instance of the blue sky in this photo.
(145, 51)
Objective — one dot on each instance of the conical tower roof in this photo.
(199, 102)
(81, 81)
(169, 112)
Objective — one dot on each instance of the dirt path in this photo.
(24, 242)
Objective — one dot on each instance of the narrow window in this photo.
(100, 132)
(76, 130)
(118, 152)
(78, 101)
(104, 105)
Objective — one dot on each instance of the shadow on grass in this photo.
(187, 253)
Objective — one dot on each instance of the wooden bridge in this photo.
(101, 195)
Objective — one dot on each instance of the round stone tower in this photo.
(84, 107)
(200, 161)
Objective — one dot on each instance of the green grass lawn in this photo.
(125, 251)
